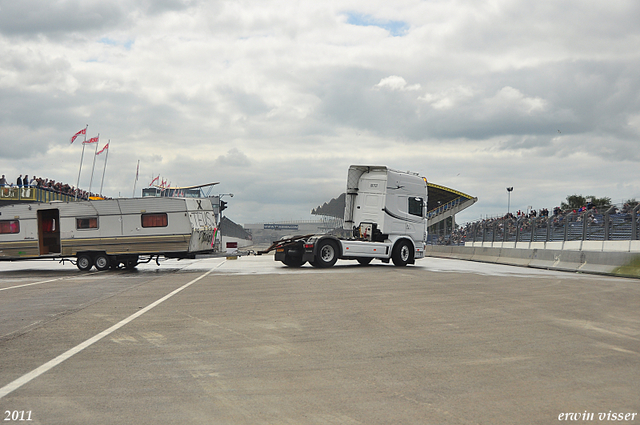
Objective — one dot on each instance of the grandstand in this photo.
(15, 195)
(564, 227)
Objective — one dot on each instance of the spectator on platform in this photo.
(3, 180)
(19, 181)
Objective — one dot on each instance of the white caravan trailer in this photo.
(385, 218)
(107, 233)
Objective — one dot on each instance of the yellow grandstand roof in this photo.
(440, 195)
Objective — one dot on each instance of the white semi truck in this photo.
(384, 218)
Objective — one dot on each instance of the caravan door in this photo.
(49, 231)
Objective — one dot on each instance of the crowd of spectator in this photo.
(24, 182)
(528, 219)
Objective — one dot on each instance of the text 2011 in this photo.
(17, 415)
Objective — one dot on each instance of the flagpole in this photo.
(94, 164)
(105, 166)
(136, 180)
(81, 158)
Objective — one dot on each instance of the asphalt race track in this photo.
(249, 341)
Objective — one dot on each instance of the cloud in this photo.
(276, 99)
(65, 18)
(448, 98)
(31, 17)
(396, 83)
(233, 158)
(510, 98)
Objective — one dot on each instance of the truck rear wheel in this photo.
(327, 253)
(402, 253)
(293, 261)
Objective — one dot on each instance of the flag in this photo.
(103, 149)
(92, 140)
(83, 131)
(154, 180)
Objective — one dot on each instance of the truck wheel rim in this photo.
(404, 253)
(327, 253)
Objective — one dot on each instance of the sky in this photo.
(275, 99)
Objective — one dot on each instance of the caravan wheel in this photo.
(131, 263)
(84, 262)
(102, 262)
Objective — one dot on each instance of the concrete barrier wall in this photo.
(241, 242)
(598, 246)
(618, 263)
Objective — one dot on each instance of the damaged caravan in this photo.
(110, 233)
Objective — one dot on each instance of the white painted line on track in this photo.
(31, 284)
(9, 388)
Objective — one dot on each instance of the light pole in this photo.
(221, 206)
(509, 190)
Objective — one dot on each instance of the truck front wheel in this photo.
(327, 254)
(402, 253)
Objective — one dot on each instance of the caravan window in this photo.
(9, 226)
(154, 220)
(416, 205)
(87, 223)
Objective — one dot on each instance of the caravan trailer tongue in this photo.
(107, 233)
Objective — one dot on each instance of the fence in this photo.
(586, 226)
(32, 194)
(443, 208)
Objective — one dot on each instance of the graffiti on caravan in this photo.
(273, 226)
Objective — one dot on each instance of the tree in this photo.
(574, 202)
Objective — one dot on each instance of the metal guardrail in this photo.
(586, 226)
(32, 194)
(444, 208)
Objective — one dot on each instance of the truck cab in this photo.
(384, 218)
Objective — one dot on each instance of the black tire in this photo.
(402, 253)
(84, 262)
(327, 253)
(102, 262)
(130, 264)
(115, 263)
(364, 261)
(293, 261)
(129, 261)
